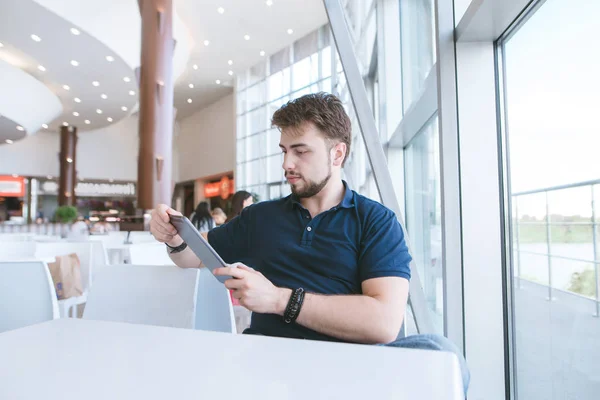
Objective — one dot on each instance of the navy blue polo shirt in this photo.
(332, 253)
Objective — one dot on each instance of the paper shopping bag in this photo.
(66, 274)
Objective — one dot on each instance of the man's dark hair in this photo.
(324, 110)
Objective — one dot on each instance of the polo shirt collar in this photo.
(347, 201)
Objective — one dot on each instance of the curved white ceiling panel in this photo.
(25, 103)
(117, 24)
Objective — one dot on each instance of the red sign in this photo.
(222, 188)
(11, 186)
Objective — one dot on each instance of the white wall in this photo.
(206, 141)
(108, 153)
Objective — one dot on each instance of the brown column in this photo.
(67, 162)
(156, 104)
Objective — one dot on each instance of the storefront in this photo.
(216, 190)
(12, 198)
(95, 199)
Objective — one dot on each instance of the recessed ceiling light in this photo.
(36, 38)
(104, 97)
(206, 42)
(66, 87)
(230, 73)
(42, 68)
(269, 3)
(190, 101)
(195, 66)
(220, 10)
(124, 108)
(20, 128)
(230, 62)
(247, 37)
(65, 123)
(109, 119)
(75, 31)
(131, 93)
(74, 63)
(191, 85)
(75, 113)
(110, 58)
(218, 81)
(77, 100)
(8, 141)
(126, 79)
(262, 53)
(99, 111)
(87, 122)
(96, 83)
(290, 31)
(45, 126)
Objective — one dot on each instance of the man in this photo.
(324, 263)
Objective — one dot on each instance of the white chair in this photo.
(214, 311)
(68, 307)
(144, 294)
(149, 254)
(14, 250)
(27, 294)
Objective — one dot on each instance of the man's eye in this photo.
(300, 152)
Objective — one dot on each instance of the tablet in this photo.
(199, 245)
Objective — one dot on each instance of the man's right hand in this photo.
(161, 227)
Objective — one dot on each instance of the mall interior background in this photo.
(485, 111)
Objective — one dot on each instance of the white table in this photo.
(91, 360)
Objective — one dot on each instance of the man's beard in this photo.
(311, 188)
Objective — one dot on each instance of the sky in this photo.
(553, 103)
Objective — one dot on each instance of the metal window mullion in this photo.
(548, 249)
(450, 174)
(373, 147)
(596, 255)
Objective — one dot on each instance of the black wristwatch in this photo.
(177, 249)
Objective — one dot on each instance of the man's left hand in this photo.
(253, 290)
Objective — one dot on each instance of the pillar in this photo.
(156, 104)
(67, 160)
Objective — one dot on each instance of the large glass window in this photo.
(418, 47)
(424, 215)
(301, 68)
(551, 90)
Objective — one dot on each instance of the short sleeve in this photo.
(383, 248)
(231, 239)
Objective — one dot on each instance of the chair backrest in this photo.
(15, 250)
(144, 294)
(27, 294)
(214, 311)
(149, 254)
(100, 258)
(141, 237)
(83, 250)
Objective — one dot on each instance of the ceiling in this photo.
(266, 25)
(113, 99)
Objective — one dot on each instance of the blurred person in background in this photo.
(241, 199)
(201, 218)
(219, 216)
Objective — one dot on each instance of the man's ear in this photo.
(339, 154)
